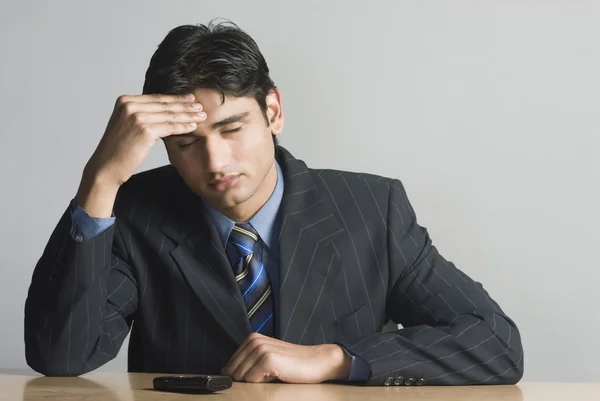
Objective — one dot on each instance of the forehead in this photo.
(217, 107)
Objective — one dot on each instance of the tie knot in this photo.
(244, 237)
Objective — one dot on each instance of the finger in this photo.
(185, 98)
(235, 361)
(158, 107)
(163, 130)
(156, 118)
(263, 371)
(239, 350)
(252, 359)
(252, 341)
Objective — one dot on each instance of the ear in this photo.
(275, 111)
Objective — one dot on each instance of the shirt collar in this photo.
(263, 221)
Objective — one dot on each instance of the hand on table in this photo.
(261, 359)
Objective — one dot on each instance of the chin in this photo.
(223, 201)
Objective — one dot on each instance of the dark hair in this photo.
(217, 56)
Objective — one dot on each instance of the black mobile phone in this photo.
(192, 383)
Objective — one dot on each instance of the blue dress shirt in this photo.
(265, 222)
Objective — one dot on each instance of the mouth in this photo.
(225, 183)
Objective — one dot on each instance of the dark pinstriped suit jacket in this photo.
(352, 257)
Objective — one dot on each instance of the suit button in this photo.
(388, 381)
(78, 238)
(409, 382)
(399, 380)
(421, 381)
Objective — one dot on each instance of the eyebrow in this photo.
(229, 120)
(232, 119)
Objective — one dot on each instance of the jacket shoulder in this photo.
(346, 188)
(331, 176)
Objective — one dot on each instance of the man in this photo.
(239, 259)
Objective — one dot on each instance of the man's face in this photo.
(229, 159)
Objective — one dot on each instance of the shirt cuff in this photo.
(84, 227)
(359, 370)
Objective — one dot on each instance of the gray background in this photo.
(486, 110)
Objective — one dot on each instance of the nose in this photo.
(216, 155)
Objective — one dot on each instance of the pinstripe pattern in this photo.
(352, 257)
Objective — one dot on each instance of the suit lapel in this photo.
(200, 256)
(309, 259)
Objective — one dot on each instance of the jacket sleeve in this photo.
(453, 332)
(81, 301)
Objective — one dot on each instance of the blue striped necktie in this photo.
(251, 277)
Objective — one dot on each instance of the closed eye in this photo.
(185, 145)
(232, 131)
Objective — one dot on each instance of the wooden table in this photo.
(137, 386)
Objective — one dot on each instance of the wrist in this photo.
(96, 195)
(338, 363)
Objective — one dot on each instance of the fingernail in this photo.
(201, 115)
(197, 105)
